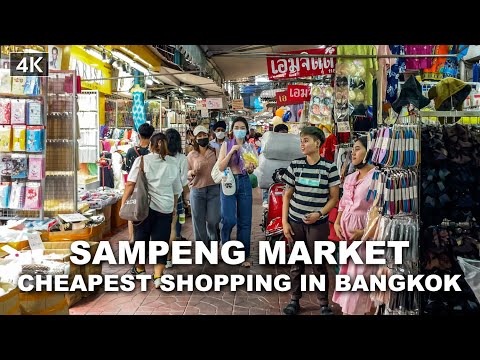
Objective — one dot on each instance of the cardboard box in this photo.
(17, 245)
(43, 303)
(84, 270)
(71, 297)
(93, 233)
(9, 303)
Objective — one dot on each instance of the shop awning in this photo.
(176, 79)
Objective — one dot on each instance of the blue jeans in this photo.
(179, 210)
(237, 210)
(205, 203)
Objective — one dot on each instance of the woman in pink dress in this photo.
(350, 225)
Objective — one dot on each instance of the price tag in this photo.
(35, 241)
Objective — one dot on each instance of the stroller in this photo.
(272, 216)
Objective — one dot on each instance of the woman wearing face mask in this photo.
(237, 209)
(219, 131)
(350, 224)
(204, 193)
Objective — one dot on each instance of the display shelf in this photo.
(22, 145)
(61, 154)
(21, 96)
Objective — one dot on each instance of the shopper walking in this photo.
(236, 209)
(350, 224)
(164, 187)
(219, 131)
(174, 142)
(204, 193)
(312, 190)
(145, 131)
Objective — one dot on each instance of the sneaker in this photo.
(325, 310)
(168, 265)
(134, 271)
(292, 308)
(265, 204)
(157, 281)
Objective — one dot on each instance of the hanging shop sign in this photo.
(297, 94)
(295, 67)
(201, 104)
(214, 103)
(282, 98)
(237, 104)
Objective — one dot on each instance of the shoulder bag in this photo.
(137, 205)
(216, 174)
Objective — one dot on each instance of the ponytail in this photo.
(159, 144)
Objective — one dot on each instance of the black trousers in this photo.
(156, 227)
(309, 234)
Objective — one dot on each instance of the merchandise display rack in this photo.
(20, 130)
(118, 112)
(89, 142)
(62, 144)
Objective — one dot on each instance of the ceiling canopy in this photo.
(239, 61)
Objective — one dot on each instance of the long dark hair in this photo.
(174, 141)
(158, 142)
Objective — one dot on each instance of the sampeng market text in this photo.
(232, 252)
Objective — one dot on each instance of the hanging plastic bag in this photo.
(471, 269)
(228, 183)
(249, 156)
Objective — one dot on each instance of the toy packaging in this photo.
(19, 166)
(34, 113)
(35, 137)
(18, 138)
(36, 167)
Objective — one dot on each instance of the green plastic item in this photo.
(92, 168)
(253, 181)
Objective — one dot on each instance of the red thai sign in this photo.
(282, 98)
(297, 94)
(295, 67)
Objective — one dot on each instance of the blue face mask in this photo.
(240, 134)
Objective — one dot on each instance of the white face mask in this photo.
(220, 135)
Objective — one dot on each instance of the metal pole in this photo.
(282, 55)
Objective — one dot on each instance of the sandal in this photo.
(134, 271)
(246, 264)
(292, 308)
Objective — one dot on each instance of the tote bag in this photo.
(137, 205)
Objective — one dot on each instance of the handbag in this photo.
(137, 206)
(216, 174)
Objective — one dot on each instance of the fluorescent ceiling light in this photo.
(135, 56)
(31, 51)
(93, 52)
(130, 61)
